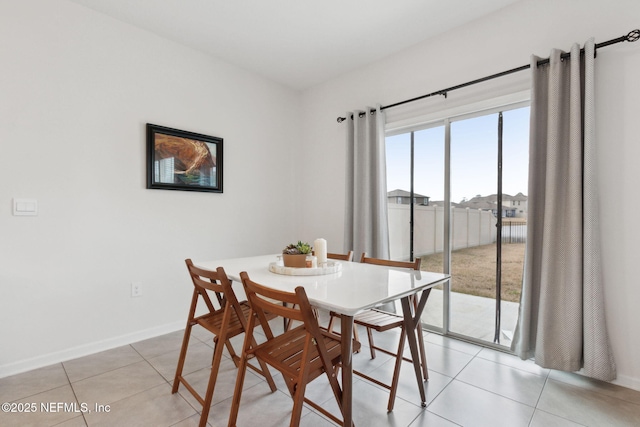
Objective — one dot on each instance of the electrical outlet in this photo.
(136, 289)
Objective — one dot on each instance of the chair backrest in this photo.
(341, 257)
(217, 282)
(290, 305)
(415, 265)
(301, 354)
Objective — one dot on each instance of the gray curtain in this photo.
(561, 321)
(366, 219)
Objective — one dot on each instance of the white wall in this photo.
(500, 42)
(76, 90)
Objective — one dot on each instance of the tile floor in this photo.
(468, 386)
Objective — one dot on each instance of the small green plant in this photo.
(297, 248)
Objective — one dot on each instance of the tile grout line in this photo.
(169, 382)
(73, 390)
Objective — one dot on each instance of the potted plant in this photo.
(295, 255)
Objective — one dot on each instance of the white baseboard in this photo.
(86, 349)
(627, 381)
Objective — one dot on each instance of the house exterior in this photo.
(402, 197)
(519, 202)
(512, 206)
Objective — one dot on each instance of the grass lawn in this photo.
(473, 270)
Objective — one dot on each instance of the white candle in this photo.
(320, 249)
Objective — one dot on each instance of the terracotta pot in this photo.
(298, 261)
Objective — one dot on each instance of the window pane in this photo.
(429, 182)
(428, 233)
(429, 220)
(474, 178)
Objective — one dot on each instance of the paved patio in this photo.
(473, 316)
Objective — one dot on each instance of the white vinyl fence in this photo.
(470, 228)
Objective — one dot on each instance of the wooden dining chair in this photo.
(342, 257)
(225, 321)
(381, 321)
(301, 354)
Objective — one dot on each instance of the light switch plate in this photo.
(25, 207)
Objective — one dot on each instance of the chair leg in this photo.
(356, 337)
(215, 346)
(208, 397)
(298, 403)
(396, 371)
(335, 387)
(237, 393)
(265, 370)
(330, 325)
(297, 407)
(371, 344)
(181, 359)
(232, 353)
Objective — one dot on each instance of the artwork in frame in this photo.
(180, 160)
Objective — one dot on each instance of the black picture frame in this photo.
(181, 160)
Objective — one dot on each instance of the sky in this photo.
(474, 152)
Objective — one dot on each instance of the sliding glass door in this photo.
(415, 171)
(457, 200)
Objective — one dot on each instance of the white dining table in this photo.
(356, 287)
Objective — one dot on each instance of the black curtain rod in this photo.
(631, 37)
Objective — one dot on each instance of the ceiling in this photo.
(298, 43)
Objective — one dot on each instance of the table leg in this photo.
(410, 330)
(346, 331)
(411, 323)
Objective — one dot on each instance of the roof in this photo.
(494, 198)
(403, 193)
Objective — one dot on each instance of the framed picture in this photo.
(180, 160)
